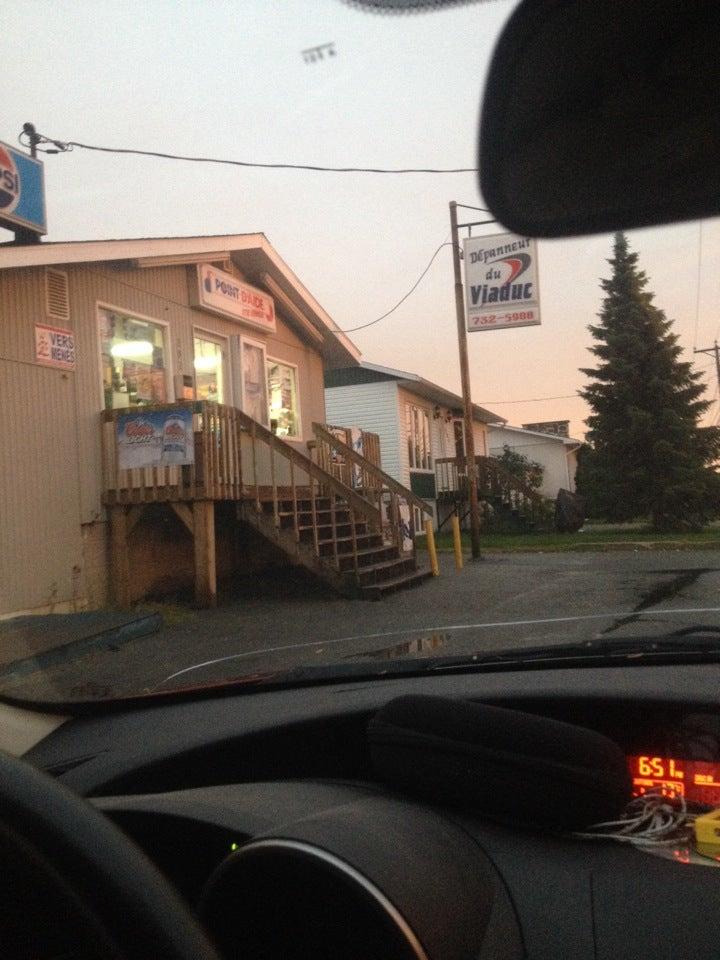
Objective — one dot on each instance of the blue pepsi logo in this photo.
(9, 182)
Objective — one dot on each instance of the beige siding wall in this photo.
(52, 418)
(40, 540)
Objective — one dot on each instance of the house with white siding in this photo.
(420, 424)
(556, 454)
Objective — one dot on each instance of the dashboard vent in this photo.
(57, 298)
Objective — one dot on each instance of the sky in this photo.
(228, 79)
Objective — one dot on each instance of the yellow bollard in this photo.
(457, 542)
(432, 552)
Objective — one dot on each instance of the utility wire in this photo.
(66, 146)
(402, 300)
(495, 403)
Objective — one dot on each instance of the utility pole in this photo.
(471, 466)
(23, 236)
(716, 351)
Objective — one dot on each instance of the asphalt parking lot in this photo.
(504, 601)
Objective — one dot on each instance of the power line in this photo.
(412, 289)
(495, 403)
(66, 146)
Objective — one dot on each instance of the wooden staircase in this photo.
(357, 537)
(342, 547)
(351, 537)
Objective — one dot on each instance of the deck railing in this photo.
(394, 501)
(237, 458)
(494, 480)
(216, 473)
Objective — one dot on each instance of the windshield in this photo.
(235, 436)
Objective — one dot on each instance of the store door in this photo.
(211, 368)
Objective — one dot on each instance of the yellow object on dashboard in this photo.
(707, 834)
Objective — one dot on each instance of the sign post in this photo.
(501, 291)
(471, 466)
(22, 193)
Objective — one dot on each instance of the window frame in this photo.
(201, 333)
(296, 368)
(412, 446)
(261, 345)
(134, 315)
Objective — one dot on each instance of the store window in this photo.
(417, 422)
(254, 387)
(209, 362)
(134, 360)
(283, 399)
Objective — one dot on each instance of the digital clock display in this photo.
(696, 780)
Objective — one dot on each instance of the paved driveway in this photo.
(506, 600)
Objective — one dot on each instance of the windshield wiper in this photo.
(688, 645)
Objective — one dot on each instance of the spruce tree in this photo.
(648, 455)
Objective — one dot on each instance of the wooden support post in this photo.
(119, 556)
(204, 541)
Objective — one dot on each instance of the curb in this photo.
(626, 546)
(110, 639)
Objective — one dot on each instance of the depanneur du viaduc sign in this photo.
(501, 282)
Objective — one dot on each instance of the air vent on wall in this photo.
(56, 294)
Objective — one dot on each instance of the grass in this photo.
(632, 537)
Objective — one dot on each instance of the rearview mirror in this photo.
(601, 116)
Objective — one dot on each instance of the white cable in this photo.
(649, 820)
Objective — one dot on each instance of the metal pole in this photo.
(24, 236)
(471, 467)
(715, 351)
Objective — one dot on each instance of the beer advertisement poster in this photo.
(155, 438)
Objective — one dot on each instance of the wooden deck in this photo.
(295, 501)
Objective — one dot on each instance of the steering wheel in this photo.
(67, 853)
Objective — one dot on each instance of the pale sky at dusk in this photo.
(227, 79)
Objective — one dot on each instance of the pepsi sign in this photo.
(22, 191)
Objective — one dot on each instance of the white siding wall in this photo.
(480, 436)
(550, 453)
(372, 407)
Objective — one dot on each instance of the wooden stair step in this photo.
(349, 540)
(360, 528)
(308, 513)
(366, 555)
(385, 569)
(378, 590)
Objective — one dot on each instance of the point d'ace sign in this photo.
(501, 282)
(222, 293)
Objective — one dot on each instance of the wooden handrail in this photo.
(195, 406)
(325, 436)
(292, 454)
(492, 464)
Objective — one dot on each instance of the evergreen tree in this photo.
(648, 456)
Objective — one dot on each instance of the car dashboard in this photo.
(288, 772)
